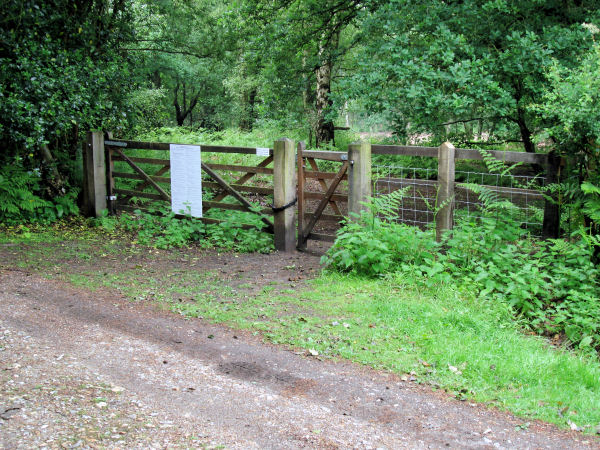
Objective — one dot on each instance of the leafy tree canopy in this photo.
(444, 66)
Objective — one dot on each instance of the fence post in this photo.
(359, 176)
(284, 185)
(444, 204)
(111, 203)
(300, 171)
(551, 224)
(94, 174)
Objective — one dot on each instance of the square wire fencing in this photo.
(418, 205)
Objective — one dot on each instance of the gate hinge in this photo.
(112, 198)
(344, 157)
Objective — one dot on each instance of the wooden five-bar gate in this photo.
(104, 187)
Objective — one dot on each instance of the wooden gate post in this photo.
(94, 174)
(300, 176)
(359, 176)
(551, 224)
(284, 195)
(444, 204)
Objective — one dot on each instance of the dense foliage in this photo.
(161, 229)
(480, 71)
(60, 72)
(467, 70)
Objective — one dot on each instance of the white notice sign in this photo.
(261, 151)
(186, 180)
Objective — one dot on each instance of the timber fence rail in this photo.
(434, 194)
(296, 177)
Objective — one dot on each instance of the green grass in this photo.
(263, 136)
(437, 333)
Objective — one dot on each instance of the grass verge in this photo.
(440, 335)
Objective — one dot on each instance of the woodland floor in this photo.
(90, 368)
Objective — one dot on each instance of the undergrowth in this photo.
(553, 286)
(22, 199)
(161, 228)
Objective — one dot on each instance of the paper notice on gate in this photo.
(186, 180)
(262, 151)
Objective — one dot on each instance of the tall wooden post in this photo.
(300, 168)
(551, 224)
(94, 174)
(111, 203)
(359, 176)
(444, 204)
(284, 184)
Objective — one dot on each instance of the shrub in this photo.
(161, 229)
(375, 244)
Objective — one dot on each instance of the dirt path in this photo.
(81, 369)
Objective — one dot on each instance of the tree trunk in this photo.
(525, 132)
(308, 98)
(181, 114)
(324, 131)
(54, 182)
(248, 115)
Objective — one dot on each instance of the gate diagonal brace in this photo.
(242, 180)
(144, 184)
(235, 194)
(143, 174)
(323, 184)
(323, 204)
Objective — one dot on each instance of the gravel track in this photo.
(83, 369)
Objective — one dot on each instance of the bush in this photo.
(161, 229)
(375, 244)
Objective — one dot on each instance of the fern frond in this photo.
(489, 199)
(495, 165)
(386, 206)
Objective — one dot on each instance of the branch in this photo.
(172, 52)
(493, 143)
(468, 120)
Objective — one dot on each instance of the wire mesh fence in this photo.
(418, 205)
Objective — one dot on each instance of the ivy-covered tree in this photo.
(303, 43)
(61, 71)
